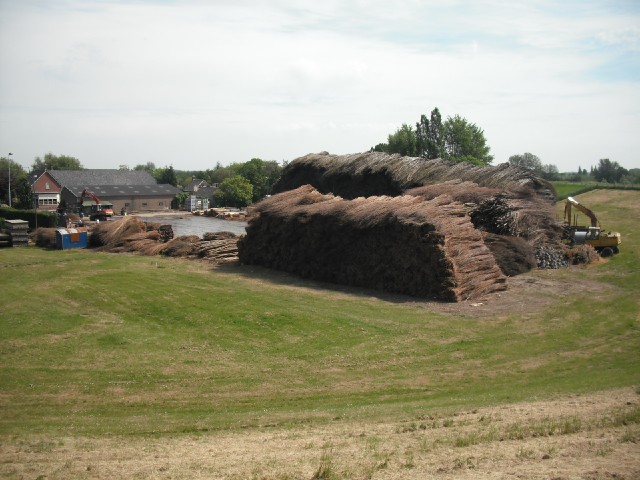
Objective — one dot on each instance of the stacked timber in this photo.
(404, 244)
(18, 231)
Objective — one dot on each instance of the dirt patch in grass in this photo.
(528, 293)
(594, 436)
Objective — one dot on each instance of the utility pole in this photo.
(10, 154)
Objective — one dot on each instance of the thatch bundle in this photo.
(403, 244)
(375, 174)
(148, 238)
(111, 235)
(44, 237)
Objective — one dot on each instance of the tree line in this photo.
(605, 171)
(239, 184)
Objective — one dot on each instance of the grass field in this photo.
(117, 353)
(566, 189)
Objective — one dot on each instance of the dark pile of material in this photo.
(133, 235)
(44, 237)
(403, 244)
(514, 255)
(375, 174)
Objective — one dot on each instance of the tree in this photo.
(464, 141)
(456, 139)
(261, 174)
(56, 162)
(148, 167)
(381, 147)
(166, 175)
(549, 172)
(608, 171)
(178, 200)
(219, 174)
(234, 191)
(634, 175)
(21, 196)
(526, 160)
(430, 136)
(403, 141)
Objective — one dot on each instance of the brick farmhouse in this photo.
(133, 191)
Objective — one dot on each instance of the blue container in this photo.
(67, 238)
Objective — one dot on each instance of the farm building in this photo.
(200, 195)
(118, 189)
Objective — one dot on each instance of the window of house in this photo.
(47, 186)
(161, 204)
(144, 204)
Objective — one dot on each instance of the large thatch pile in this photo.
(403, 244)
(375, 173)
(134, 235)
(404, 224)
(502, 200)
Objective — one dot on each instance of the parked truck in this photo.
(606, 244)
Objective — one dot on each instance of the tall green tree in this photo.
(464, 141)
(381, 147)
(56, 162)
(456, 139)
(526, 160)
(261, 174)
(220, 173)
(608, 171)
(13, 176)
(234, 191)
(430, 136)
(403, 141)
(166, 175)
(148, 167)
(550, 172)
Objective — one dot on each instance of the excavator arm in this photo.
(572, 202)
(91, 195)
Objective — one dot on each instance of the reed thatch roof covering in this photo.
(149, 238)
(403, 244)
(375, 173)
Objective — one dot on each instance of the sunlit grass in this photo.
(95, 343)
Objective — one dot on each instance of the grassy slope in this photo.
(566, 189)
(97, 343)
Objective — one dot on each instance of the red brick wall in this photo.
(40, 185)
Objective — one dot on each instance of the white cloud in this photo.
(193, 83)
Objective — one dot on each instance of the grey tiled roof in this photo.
(196, 183)
(113, 191)
(102, 177)
(205, 192)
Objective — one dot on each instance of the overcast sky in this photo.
(192, 83)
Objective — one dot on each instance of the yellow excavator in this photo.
(606, 244)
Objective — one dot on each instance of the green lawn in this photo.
(96, 344)
(567, 189)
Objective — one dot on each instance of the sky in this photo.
(194, 83)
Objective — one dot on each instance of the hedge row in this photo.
(34, 217)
